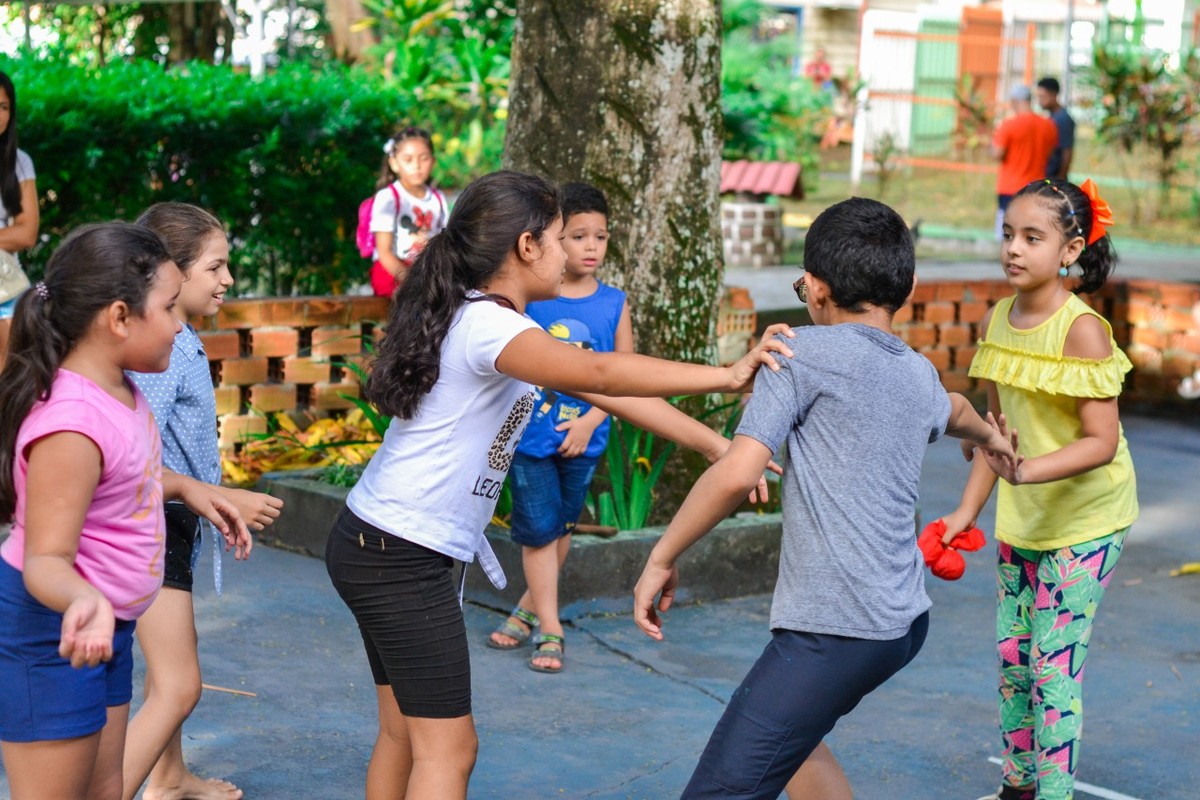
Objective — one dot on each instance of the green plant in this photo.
(343, 475)
(283, 161)
(770, 113)
(885, 153)
(1149, 100)
(633, 470)
(976, 118)
(635, 461)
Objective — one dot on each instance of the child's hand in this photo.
(742, 372)
(579, 435)
(1001, 454)
(258, 509)
(956, 523)
(656, 580)
(87, 631)
(209, 502)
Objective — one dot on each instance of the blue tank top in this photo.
(588, 322)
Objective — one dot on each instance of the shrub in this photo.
(283, 161)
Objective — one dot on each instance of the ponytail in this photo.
(1074, 216)
(94, 267)
(488, 219)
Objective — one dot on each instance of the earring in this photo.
(1062, 271)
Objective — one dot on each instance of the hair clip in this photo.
(389, 145)
(42, 290)
(1102, 218)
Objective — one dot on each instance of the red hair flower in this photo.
(1101, 214)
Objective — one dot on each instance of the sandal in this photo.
(513, 630)
(548, 645)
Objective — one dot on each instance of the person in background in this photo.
(819, 71)
(1060, 157)
(18, 198)
(184, 408)
(1022, 144)
(557, 456)
(408, 210)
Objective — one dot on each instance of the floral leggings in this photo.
(1047, 601)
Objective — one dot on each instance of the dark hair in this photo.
(95, 266)
(10, 187)
(1072, 212)
(1049, 84)
(863, 250)
(582, 198)
(488, 219)
(183, 228)
(386, 173)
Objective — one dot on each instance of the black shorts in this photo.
(183, 528)
(405, 601)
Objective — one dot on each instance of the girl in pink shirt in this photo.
(81, 480)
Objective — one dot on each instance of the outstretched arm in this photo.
(714, 497)
(209, 502)
(536, 357)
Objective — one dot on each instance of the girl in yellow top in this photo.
(1051, 366)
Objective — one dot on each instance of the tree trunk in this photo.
(349, 46)
(625, 94)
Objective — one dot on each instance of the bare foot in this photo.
(193, 787)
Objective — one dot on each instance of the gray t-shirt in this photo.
(857, 408)
(24, 173)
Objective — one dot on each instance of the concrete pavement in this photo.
(629, 716)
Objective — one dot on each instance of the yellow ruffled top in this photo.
(1039, 390)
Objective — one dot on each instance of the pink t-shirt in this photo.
(121, 544)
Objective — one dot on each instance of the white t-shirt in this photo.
(436, 477)
(24, 173)
(416, 215)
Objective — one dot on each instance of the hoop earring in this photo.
(1062, 271)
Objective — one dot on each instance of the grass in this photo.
(967, 201)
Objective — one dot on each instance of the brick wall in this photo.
(285, 354)
(1156, 323)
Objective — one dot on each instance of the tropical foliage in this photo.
(1149, 102)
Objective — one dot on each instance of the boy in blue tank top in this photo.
(554, 463)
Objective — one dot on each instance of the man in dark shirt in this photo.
(1060, 159)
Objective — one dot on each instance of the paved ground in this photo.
(629, 716)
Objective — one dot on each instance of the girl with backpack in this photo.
(405, 211)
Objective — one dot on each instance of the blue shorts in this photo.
(548, 496)
(795, 693)
(44, 698)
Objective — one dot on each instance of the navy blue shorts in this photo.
(795, 693)
(44, 698)
(405, 601)
(548, 496)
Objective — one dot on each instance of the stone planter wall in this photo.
(739, 558)
(751, 234)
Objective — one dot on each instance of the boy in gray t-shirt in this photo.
(857, 409)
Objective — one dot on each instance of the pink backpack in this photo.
(363, 236)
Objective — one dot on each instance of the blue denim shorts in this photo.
(795, 693)
(548, 496)
(44, 698)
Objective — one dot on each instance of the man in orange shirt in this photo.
(1022, 144)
